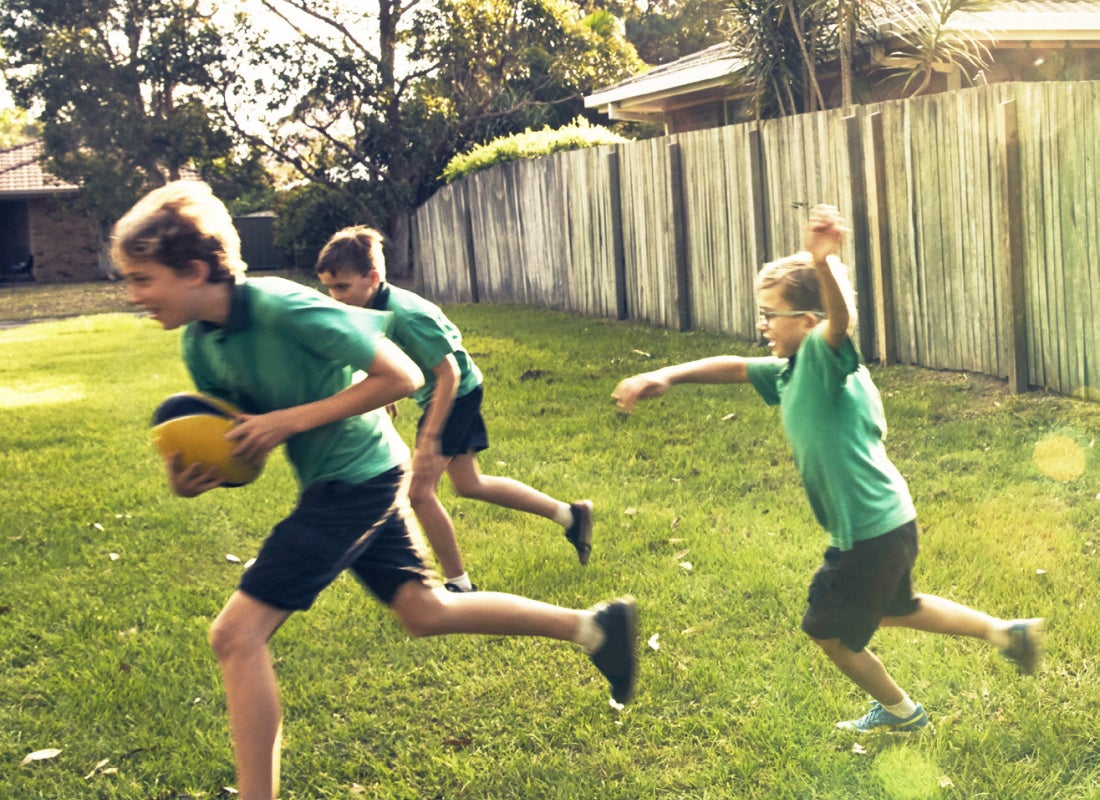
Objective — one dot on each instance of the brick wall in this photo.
(64, 242)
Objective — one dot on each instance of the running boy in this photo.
(451, 431)
(286, 354)
(832, 415)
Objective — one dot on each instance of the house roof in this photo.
(1010, 23)
(22, 174)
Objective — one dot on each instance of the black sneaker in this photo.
(454, 587)
(617, 657)
(579, 533)
(1024, 644)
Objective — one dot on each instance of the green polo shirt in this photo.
(284, 345)
(833, 418)
(422, 330)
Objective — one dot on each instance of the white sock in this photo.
(564, 515)
(462, 582)
(904, 709)
(590, 635)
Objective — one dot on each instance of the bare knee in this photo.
(420, 609)
(833, 648)
(226, 640)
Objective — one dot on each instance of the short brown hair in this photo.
(179, 223)
(796, 277)
(357, 249)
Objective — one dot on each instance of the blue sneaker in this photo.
(1023, 649)
(879, 718)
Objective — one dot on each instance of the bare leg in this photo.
(469, 482)
(432, 612)
(864, 669)
(436, 522)
(938, 615)
(239, 638)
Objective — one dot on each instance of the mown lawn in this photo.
(108, 584)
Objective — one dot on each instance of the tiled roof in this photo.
(22, 174)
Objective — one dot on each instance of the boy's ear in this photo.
(198, 270)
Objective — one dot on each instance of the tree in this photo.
(373, 105)
(16, 127)
(785, 47)
(120, 89)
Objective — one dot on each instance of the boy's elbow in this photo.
(414, 379)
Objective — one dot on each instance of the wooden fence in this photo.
(975, 238)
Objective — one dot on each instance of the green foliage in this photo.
(105, 657)
(122, 91)
(529, 144)
(307, 215)
(17, 127)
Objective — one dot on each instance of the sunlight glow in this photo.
(1059, 458)
(19, 397)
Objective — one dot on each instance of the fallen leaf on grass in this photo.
(232, 559)
(96, 769)
(859, 749)
(113, 556)
(641, 353)
(459, 742)
(686, 565)
(680, 556)
(946, 782)
(653, 643)
(39, 755)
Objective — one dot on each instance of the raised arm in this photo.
(823, 235)
(716, 369)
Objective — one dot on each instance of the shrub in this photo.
(529, 144)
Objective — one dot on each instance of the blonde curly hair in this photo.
(179, 223)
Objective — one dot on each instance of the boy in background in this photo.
(286, 355)
(451, 432)
(832, 415)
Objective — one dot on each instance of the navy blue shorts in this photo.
(365, 527)
(465, 428)
(854, 589)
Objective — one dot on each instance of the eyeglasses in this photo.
(768, 316)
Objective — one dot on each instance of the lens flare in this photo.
(1059, 458)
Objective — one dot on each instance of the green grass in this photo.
(104, 656)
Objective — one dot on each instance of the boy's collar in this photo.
(381, 297)
(237, 320)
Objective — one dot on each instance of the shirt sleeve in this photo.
(831, 367)
(764, 376)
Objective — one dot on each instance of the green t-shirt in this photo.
(422, 330)
(284, 345)
(833, 418)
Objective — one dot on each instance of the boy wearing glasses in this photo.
(833, 418)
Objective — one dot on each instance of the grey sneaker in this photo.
(579, 533)
(1024, 650)
(617, 657)
(879, 718)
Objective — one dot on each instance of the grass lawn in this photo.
(108, 584)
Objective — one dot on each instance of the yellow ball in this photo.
(194, 425)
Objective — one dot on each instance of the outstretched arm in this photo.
(823, 235)
(717, 369)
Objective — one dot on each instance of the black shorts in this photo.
(854, 589)
(465, 429)
(365, 527)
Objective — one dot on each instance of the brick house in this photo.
(43, 235)
(1028, 40)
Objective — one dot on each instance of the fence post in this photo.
(760, 205)
(618, 252)
(882, 265)
(471, 259)
(679, 237)
(1015, 331)
(857, 176)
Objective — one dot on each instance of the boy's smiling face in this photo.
(786, 330)
(160, 290)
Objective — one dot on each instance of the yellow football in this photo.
(194, 425)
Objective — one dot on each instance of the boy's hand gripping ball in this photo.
(194, 425)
